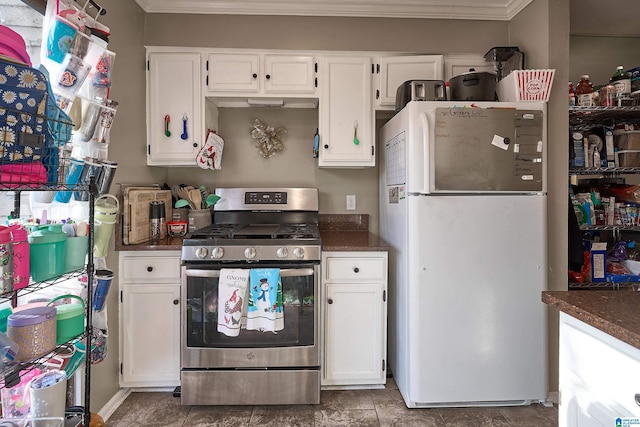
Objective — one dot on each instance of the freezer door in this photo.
(477, 327)
(488, 150)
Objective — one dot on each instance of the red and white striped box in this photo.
(525, 86)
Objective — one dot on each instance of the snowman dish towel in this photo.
(265, 311)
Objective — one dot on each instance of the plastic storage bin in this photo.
(34, 330)
(69, 318)
(525, 86)
(47, 251)
(628, 144)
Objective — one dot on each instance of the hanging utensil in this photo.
(167, 119)
(356, 141)
(184, 127)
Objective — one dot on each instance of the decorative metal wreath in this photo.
(270, 140)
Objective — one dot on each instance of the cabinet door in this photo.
(454, 65)
(286, 74)
(395, 70)
(345, 112)
(599, 376)
(174, 130)
(354, 341)
(150, 335)
(233, 73)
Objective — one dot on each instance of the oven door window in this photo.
(299, 295)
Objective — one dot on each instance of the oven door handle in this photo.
(286, 272)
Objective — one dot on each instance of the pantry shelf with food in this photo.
(604, 169)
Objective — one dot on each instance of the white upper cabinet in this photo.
(392, 71)
(174, 108)
(260, 74)
(346, 112)
(454, 65)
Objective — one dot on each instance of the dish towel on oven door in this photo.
(265, 311)
(232, 299)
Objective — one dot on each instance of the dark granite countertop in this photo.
(613, 312)
(338, 233)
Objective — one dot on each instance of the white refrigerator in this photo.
(463, 206)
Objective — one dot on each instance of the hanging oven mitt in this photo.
(210, 156)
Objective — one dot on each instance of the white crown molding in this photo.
(495, 10)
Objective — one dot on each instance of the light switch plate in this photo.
(351, 202)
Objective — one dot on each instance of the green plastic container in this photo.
(4, 315)
(47, 250)
(69, 319)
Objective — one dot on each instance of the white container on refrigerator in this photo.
(464, 210)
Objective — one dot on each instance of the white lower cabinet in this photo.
(599, 377)
(354, 313)
(149, 318)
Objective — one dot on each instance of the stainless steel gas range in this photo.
(253, 228)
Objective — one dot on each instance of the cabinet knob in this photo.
(326, 145)
(356, 270)
(149, 269)
(255, 76)
(195, 145)
(176, 301)
(329, 301)
(268, 76)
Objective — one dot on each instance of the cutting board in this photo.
(136, 213)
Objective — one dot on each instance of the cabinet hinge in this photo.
(206, 80)
(206, 65)
(149, 149)
(372, 150)
(377, 68)
(373, 68)
(316, 81)
(384, 296)
(120, 296)
(315, 65)
(377, 93)
(121, 369)
(384, 365)
(148, 65)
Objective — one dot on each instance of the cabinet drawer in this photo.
(355, 269)
(160, 269)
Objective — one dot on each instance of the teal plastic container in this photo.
(47, 251)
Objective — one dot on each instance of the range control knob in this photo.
(298, 253)
(217, 252)
(282, 252)
(250, 253)
(201, 253)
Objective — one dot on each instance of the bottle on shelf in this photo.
(572, 95)
(621, 80)
(584, 92)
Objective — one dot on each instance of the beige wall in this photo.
(132, 30)
(599, 56)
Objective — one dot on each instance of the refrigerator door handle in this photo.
(426, 167)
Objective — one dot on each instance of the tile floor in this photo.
(352, 408)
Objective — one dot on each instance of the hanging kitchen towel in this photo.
(265, 311)
(210, 156)
(232, 297)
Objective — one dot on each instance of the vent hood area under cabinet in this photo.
(262, 101)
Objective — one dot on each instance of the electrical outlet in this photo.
(351, 202)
